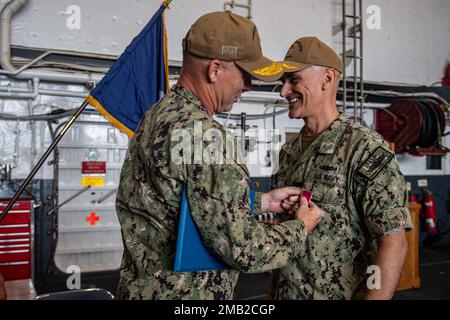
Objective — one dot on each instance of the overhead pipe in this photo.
(59, 52)
(6, 15)
(12, 92)
(263, 96)
(25, 94)
(391, 93)
(8, 11)
(9, 92)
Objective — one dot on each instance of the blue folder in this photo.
(192, 255)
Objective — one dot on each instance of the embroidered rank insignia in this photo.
(376, 162)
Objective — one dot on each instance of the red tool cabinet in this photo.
(16, 232)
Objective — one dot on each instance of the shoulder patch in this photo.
(376, 162)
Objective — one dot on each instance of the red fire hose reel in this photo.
(413, 125)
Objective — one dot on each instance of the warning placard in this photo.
(93, 181)
(93, 167)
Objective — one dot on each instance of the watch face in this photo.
(92, 155)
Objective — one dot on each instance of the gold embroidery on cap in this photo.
(289, 67)
(229, 52)
(274, 68)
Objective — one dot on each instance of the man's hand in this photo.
(309, 214)
(280, 200)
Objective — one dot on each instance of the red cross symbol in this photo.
(92, 219)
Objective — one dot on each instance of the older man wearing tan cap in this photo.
(358, 249)
(221, 53)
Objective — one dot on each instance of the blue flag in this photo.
(137, 80)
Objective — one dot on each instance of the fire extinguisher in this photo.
(429, 212)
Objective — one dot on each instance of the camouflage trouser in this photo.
(208, 285)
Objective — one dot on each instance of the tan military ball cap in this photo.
(308, 51)
(229, 37)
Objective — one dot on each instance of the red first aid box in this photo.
(16, 241)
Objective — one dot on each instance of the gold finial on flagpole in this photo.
(166, 3)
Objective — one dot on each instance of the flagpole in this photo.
(50, 149)
(43, 158)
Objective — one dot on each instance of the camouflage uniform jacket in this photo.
(148, 204)
(356, 180)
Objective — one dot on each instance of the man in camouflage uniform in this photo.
(354, 178)
(219, 50)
